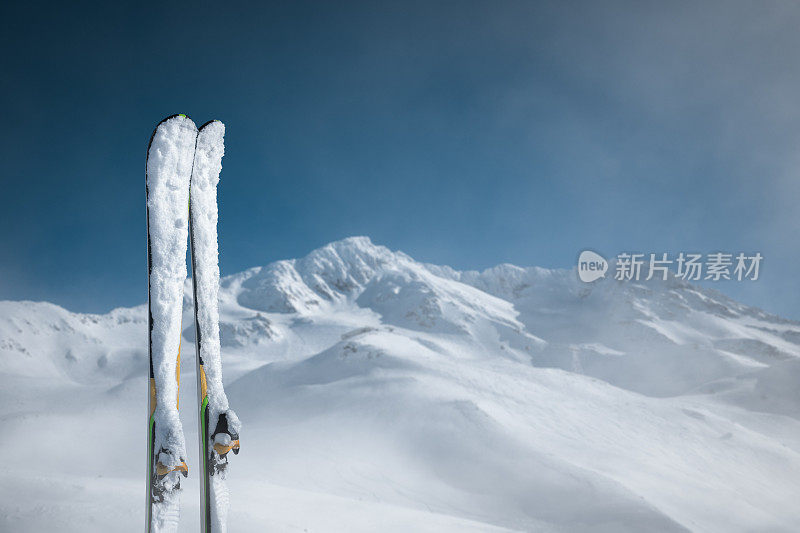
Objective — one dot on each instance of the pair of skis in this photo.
(183, 166)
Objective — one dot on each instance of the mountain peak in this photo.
(361, 242)
(354, 257)
(336, 271)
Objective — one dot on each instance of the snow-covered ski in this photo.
(170, 156)
(219, 426)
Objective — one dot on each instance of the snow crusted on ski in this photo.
(207, 166)
(205, 177)
(169, 167)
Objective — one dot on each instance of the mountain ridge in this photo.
(528, 308)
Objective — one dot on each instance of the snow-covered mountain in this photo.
(378, 393)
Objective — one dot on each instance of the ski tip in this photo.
(176, 115)
(180, 116)
(184, 118)
(213, 122)
(212, 131)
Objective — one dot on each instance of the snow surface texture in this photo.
(169, 167)
(382, 394)
(205, 177)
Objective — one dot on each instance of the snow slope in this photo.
(381, 394)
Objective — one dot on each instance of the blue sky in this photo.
(463, 133)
